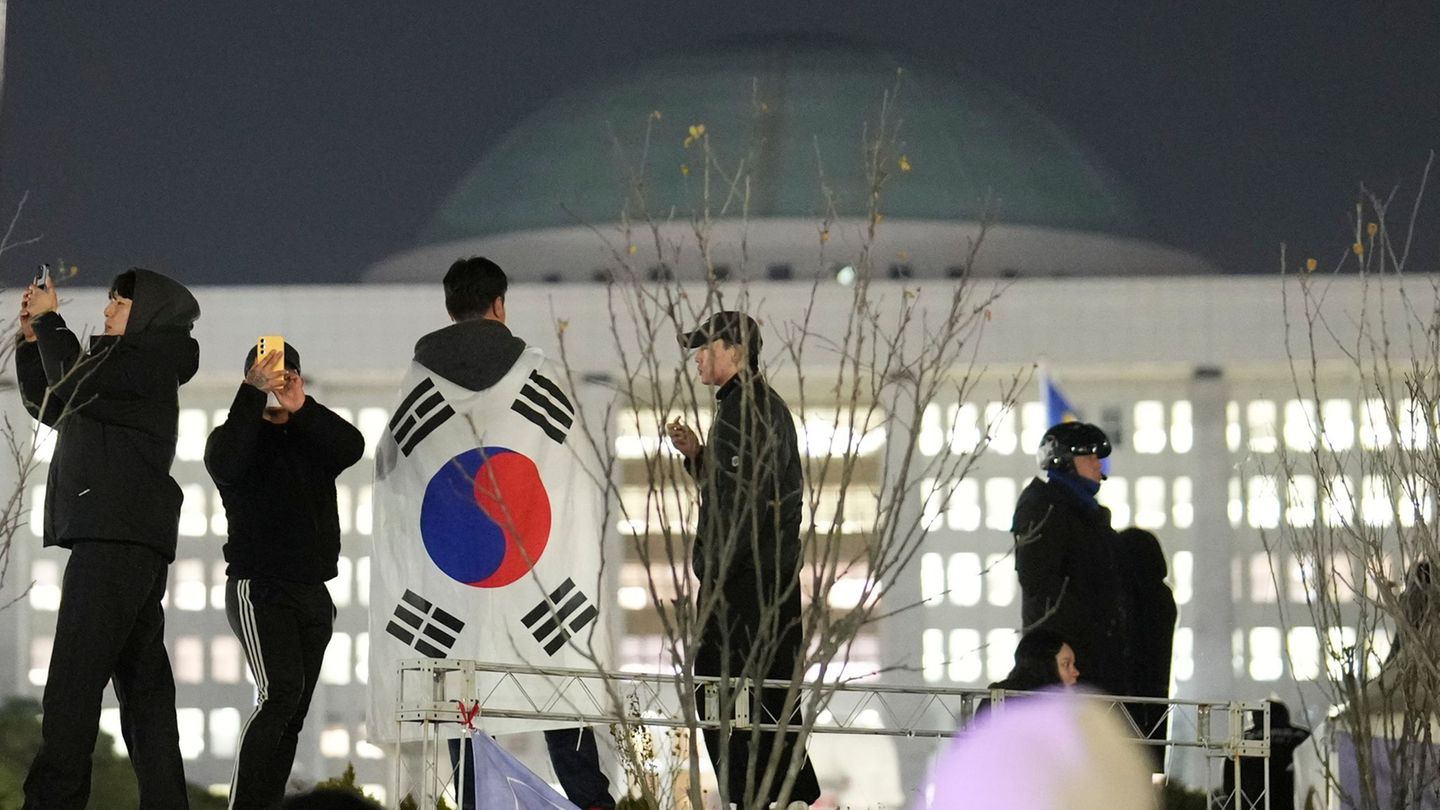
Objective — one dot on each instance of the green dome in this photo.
(785, 102)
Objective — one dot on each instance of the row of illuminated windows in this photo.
(996, 427)
(859, 661)
(821, 431)
(968, 504)
(1336, 424)
(660, 510)
(1267, 579)
(191, 590)
(640, 590)
(1377, 500)
(966, 655)
(964, 578)
(347, 659)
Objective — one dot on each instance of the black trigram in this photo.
(554, 631)
(543, 403)
(418, 623)
(422, 410)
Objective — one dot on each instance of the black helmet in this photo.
(1063, 442)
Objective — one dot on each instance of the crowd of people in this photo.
(1095, 607)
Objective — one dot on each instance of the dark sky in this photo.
(299, 142)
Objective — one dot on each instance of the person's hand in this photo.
(26, 330)
(290, 393)
(267, 373)
(40, 300)
(684, 439)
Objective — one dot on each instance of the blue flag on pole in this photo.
(502, 783)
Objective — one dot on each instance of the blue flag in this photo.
(502, 783)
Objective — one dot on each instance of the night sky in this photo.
(239, 143)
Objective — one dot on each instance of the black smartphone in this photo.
(42, 276)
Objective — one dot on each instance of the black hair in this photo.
(1035, 665)
(472, 286)
(752, 348)
(124, 285)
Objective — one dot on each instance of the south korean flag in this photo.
(488, 528)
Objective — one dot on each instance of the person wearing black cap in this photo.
(275, 468)
(746, 554)
(1065, 555)
(109, 498)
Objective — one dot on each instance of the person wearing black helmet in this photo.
(1065, 555)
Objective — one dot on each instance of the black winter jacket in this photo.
(278, 485)
(115, 408)
(1065, 557)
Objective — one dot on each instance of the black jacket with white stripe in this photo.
(278, 485)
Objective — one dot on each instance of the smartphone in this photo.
(267, 344)
(42, 276)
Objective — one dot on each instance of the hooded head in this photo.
(156, 302)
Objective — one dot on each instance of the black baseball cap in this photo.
(728, 325)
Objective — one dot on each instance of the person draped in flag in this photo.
(275, 468)
(1065, 556)
(476, 352)
(110, 500)
(746, 554)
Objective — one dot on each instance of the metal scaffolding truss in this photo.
(440, 698)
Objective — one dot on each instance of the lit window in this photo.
(362, 658)
(1000, 652)
(1262, 580)
(1033, 419)
(966, 664)
(1232, 426)
(1182, 570)
(965, 435)
(225, 659)
(1150, 502)
(1374, 425)
(219, 525)
(1303, 644)
(1300, 424)
(1339, 506)
(1260, 419)
(632, 597)
(40, 647)
(367, 750)
(1149, 426)
(1263, 502)
(224, 732)
(999, 503)
(217, 418)
(335, 742)
(1414, 426)
(931, 439)
(365, 511)
(187, 656)
(340, 586)
(1338, 418)
(372, 426)
(1266, 663)
(932, 654)
(1375, 506)
(344, 508)
(1115, 495)
(1300, 501)
(1182, 508)
(190, 435)
(846, 592)
(1300, 580)
(1000, 424)
(1234, 506)
(42, 440)
(932, 579)
(1182, 427)
(1414, 502)
(934, 495)
(1182, 658)
(837, 432)
(963, 513)
(217, 584)
(45, 590)
(1000, 580)
(362, 580)
(37, 510)
(189, 592)
(194, 511)
(335, 668)
(192, 732)
(963, 577)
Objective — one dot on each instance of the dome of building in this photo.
(796, 113)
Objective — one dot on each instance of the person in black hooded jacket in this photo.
(276, 469)
(1065, 556)
(1151, 610)
(110, 499)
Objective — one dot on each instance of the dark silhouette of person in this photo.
(1151, 609)
(1284, 739)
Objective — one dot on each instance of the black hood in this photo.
(160, 302)
(472, 354)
